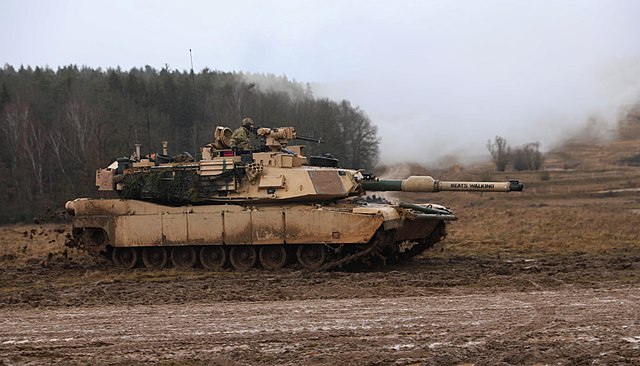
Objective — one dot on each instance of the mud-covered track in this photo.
(380, 251)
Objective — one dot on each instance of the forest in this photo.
(58, 126)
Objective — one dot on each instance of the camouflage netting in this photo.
(176, 186)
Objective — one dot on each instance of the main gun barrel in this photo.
(428, 184)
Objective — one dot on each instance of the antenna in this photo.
(195, 102)
(148, 129)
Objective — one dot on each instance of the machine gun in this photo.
(278, 138)
(274, 138)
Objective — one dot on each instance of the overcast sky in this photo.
(436, 77)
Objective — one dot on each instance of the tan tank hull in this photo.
(104, 225)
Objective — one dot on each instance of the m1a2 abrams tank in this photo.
(270, 207)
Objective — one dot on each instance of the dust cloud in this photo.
(450, 78)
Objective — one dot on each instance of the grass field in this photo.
(592, 207)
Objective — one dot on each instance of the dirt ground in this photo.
(547, 276)
(567, 326)
(445, 309)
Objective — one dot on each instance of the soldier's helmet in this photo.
(247, 122)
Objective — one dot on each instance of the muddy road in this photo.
(441, 309)
(566, 327)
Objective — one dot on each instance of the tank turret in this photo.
(273, 172)
(270, 205)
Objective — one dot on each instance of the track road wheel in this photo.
(213, 256)
(125, 257)
(311, 256)
(243, 257)
(154, 257)
(273, 257)
(184, 257)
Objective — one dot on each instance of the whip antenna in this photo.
(193, 81)
(148, 129)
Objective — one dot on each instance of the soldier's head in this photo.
(247, 123)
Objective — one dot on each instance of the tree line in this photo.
(58, 126)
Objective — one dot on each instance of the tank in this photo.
(268, 207)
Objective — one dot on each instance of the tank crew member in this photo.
(240, 137)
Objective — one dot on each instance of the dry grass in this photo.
(541, 229)
(561, 211)
(22, 244)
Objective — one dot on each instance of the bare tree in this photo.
(82, 123)
(528, 157)
(500, 152)
(15, 116)
(85, 122)
(25, 143)
(33, 146)
(56, 142)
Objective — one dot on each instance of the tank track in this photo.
(437, 235)
(382, 250)
(376, 247)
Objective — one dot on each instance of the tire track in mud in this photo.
(565, 326)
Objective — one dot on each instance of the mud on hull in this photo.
(131, 233)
